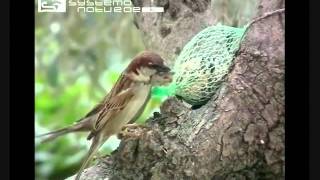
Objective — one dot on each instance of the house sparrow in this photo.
(122, 105)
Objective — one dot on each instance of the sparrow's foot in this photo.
(133, 126)
(132, 131)
(101, 157)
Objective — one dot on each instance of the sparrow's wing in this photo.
(112, 107)
(99, 107)
(93, 112)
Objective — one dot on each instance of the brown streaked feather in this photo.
(114, 105)
(117, 99)
(95, 110)
(116, 88)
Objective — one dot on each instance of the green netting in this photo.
(204, 61)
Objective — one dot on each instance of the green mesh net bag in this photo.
(203, 63)
(205, 60)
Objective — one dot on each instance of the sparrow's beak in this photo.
(167, 74)
(163, 69)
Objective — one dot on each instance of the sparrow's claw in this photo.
(102, 157)
(99, 157)
(133, 126)
(132, 131)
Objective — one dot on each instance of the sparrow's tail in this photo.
(96, 143)
(80, 126)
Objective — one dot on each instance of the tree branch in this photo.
(238, 134)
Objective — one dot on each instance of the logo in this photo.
(52, 6)
(96, 6)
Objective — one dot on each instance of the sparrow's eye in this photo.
(162, 69)
(155, 66)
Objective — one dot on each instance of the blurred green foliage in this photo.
(78, 57)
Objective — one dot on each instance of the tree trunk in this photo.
(238, 134)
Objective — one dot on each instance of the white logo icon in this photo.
(52, 6)
(95, 6)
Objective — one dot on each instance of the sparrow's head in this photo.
(149, 67)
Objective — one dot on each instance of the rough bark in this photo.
(238, 134)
